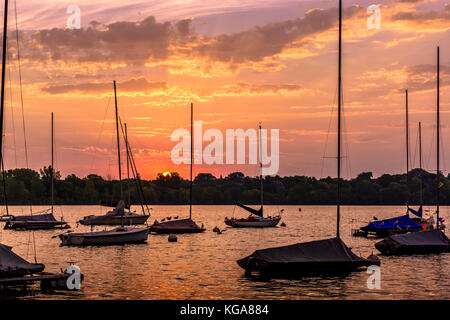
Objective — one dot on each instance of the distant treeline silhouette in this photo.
(26, 186)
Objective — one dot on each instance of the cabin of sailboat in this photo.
(325, 257)
(186, 225)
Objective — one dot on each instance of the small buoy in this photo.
(283, 224)
(216, 229)
(299, 209)
(172, 238)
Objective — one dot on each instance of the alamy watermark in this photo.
(374, 20)
(214, 152)
(74, 20)
(374, 280)
(73, 282)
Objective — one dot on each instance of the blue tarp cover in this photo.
(392, 223)
(417, 213)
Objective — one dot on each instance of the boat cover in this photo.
(251, 210)
(11, 264)
(329, 251)
(420, 242)
(36, 217)
(402, 222)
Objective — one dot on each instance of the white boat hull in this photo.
(115, 236)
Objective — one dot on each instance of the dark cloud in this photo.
(271, 39)
(423, 77)
(424, 15)
(133, 85)
(135, 43)
(131, 42)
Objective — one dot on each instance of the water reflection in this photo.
(203, 266)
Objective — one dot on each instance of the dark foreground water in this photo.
(203, 266)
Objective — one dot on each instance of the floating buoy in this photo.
(299, 209)
(172, 238)
(283, 224)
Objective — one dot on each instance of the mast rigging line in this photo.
(135, 172)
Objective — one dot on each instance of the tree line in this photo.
(26, 186)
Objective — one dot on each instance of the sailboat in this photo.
(401, 224)
(181, 225)
(429, 241)
(13, 268)
(39, 221)
(120, 235)
(256, 218)
(325, 257)
(121, 214)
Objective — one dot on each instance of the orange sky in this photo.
(240, 63)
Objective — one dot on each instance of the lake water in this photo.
(203, 266)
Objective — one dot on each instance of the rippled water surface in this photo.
(203, 266)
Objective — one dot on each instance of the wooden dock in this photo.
(48, 281)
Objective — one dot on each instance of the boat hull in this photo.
(176, 227)
(244, 223)
(112, 237)
(126, 220)
(35, 225)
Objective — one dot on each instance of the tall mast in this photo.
(2, 103)
(407, 151)
(260, 170)
(51, 171)
(118, 141)
(338, 202)
(437, 142)
(192, 159)
(128, 164)
(420, 159)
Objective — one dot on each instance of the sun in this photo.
(166, 173)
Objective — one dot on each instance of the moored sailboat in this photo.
(326, 257)
(429, 241)
(14, 270)
(256, 218)
(401, 224)
(121, 235)
(121, 214)
(39, 221)
(186, 225)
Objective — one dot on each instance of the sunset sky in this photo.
(240, 63)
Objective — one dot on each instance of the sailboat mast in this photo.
(338, 202)
(192, 159)
(2, 102)
(420, 159)
(260, 170)
(51, 171)
(437, 142)
(118, 141)
(128, 164)
(407, 151)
